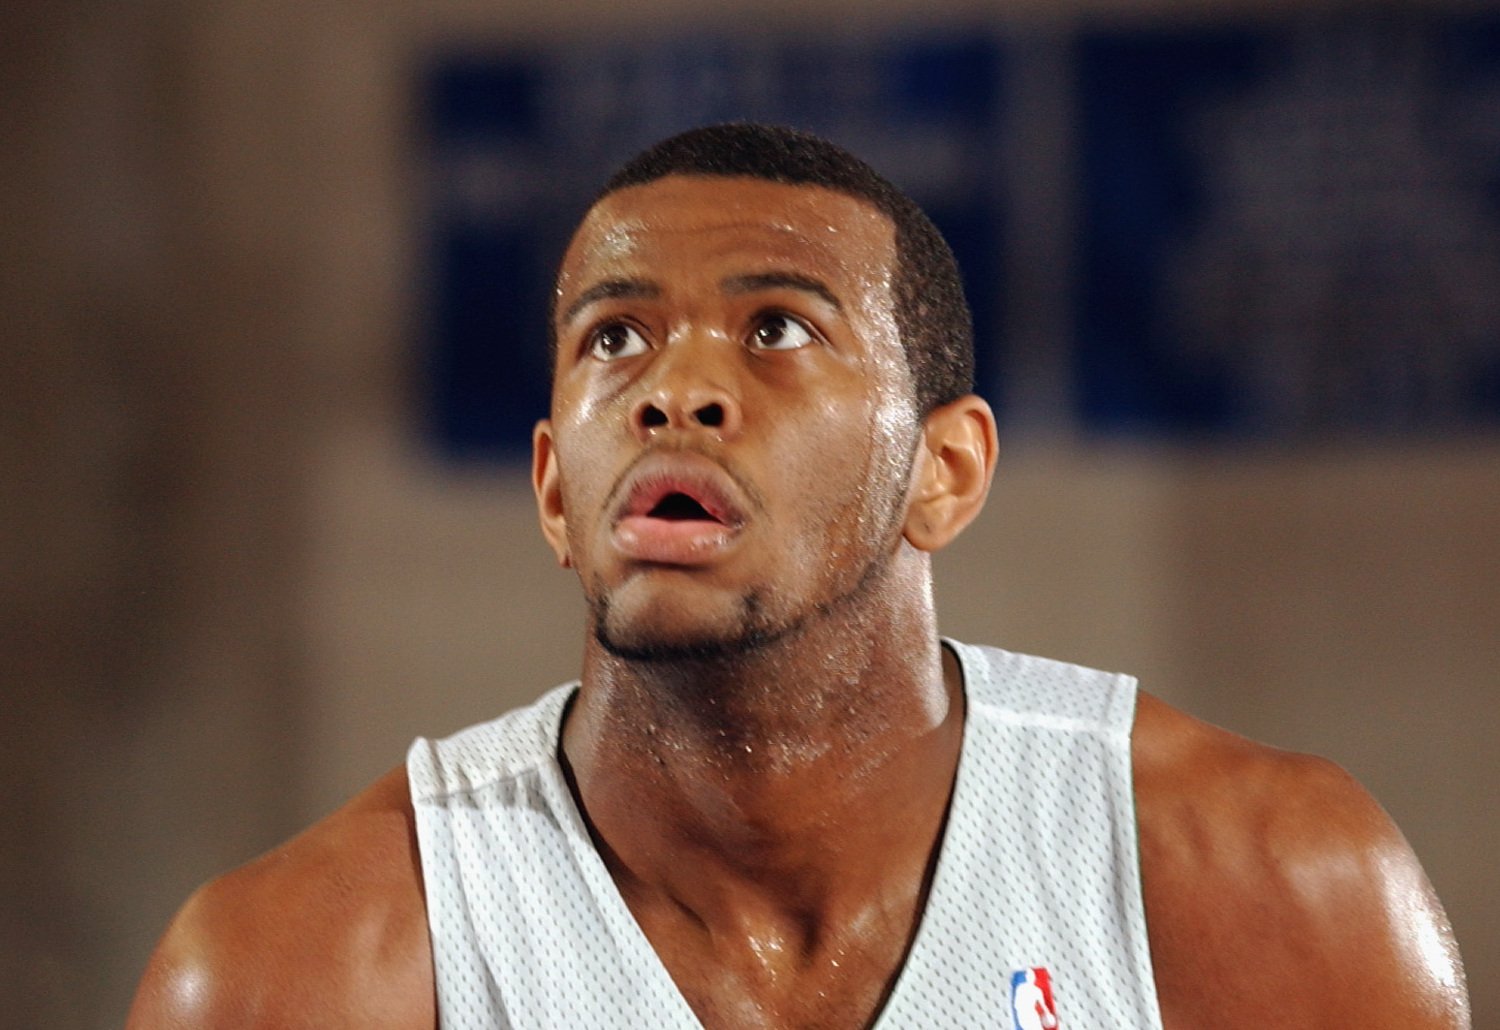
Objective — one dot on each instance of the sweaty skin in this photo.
(760, 677)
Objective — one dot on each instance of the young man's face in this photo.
(729, 449)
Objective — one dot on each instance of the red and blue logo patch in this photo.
(1031, 1004)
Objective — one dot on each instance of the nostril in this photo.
(652, 417)
(711, 415)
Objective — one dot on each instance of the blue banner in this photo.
(1291, 229)
(1285, 229)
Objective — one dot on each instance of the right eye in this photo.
(616, 340)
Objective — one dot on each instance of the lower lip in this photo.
(671, 541)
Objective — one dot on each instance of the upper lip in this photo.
(659, 475)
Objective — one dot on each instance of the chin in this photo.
(679, 636)
(650, 650)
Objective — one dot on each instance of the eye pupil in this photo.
(616, 341)
(781, 332)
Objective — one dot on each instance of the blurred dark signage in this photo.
(1283, 229)
(1291, 230)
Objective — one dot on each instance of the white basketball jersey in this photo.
(1034, 917)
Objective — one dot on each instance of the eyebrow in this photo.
(615, 289)
(780, 281)
(611, 289)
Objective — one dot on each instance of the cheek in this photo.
(894, 430)
(882, 426)
(853, 479)
(588, 397)
(592, 405)
(583, 477)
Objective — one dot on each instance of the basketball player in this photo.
(777, 798)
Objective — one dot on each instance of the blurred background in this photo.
(272, 309)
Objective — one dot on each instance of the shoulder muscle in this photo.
(1274, 878)
(328, 930)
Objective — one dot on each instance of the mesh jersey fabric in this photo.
(1038, 869)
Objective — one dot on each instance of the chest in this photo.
(530, 929)
(769, 977)
(726, 996)
(1034, 904)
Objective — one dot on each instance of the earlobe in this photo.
(547, 484)
(954, 468)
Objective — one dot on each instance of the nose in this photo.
(689, 391)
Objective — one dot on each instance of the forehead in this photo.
(693, 222)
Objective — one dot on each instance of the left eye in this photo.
(780, 332)
(616, 340)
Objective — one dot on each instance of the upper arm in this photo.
(191, 978)
(1374, 923)
(327, 931)
(1278, 892)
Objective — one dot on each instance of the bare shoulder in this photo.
(327, 930)
(1278, 891)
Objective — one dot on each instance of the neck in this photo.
(817, 765)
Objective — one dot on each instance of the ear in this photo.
(951, 477)
(546, 482)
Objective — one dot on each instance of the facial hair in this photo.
(755, 627)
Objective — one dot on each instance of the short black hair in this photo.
(931, 313)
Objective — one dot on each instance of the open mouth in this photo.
(677, 512)
(681, 507)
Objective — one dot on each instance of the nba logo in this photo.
(1031, 1004)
